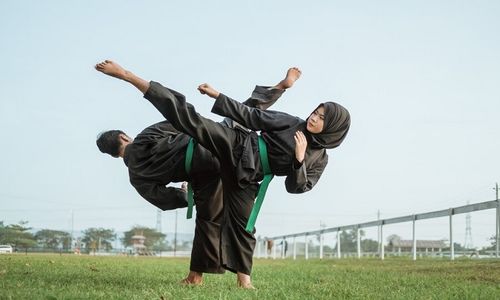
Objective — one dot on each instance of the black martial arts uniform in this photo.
(238, 155)
(156, 158)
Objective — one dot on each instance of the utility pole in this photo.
(175, 234)
(496, 190)
(378, 234)
(468, 231)
(158, 228)
(158, 220)
(498, 221)
(72, 229)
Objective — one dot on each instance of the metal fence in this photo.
(495, 204)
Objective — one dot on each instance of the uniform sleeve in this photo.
(263, 97)
(253, 118)
(303, 178)
(161, 196)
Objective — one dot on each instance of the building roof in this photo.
(420, 244)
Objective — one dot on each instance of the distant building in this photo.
(138, 244)
(399, 246)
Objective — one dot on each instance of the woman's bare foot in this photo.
(292, 75)
(244, 281)
(193, 278)
(113, 69)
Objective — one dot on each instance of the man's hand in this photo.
(184, 186)
(206, 89)
(300, 146)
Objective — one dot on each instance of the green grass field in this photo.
(89, 277)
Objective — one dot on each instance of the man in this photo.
(156, 157)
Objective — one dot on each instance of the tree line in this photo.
(21, 237)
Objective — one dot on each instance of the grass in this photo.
(89, 277)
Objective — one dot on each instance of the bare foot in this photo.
(111, 68)
(292, 75)
(193, 278)
(244, 281)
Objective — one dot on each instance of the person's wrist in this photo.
(215, 95)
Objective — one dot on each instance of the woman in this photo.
(296, 149)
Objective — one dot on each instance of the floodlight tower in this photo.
(468, 232)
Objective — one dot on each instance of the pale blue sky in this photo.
(420, 78)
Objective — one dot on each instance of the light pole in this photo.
(175, 234)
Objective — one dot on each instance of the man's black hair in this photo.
(109, 142)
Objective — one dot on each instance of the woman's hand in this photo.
(206, 89)
(300, 146)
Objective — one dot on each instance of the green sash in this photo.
(268, 176)
(187, 166)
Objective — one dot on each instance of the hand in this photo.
(206, 89)
(184, 186)
(300, 146)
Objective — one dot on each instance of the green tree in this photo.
(53, 239)
(98, 238)
(154, 240)
(349, 242)
(493, 245)
(17, 235)
(369, 245)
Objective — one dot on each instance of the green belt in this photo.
(268, 176)
(187, 166)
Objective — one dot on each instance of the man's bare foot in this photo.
(193, 278)
(292, 75)
(244, 281)
(111, 68)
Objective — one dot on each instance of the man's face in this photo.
(316, 120)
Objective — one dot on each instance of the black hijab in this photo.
(335, 126)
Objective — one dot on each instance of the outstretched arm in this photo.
(252, 118)
(262, 97)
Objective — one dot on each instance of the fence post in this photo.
(294, 249)
(321, 246)
(452, 247)
(307, 249)
(359, 243)
(274, 249)
(258, 248)
(283, 246)
(266, 246)
(382, 253)
(338, 244)
(414, 250)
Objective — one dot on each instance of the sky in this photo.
(420, 79)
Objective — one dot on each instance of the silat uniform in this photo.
(238, 154)
(156, 158)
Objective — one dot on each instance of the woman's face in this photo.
(315, 120)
